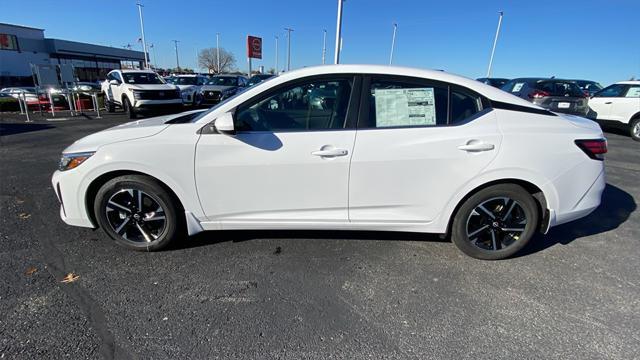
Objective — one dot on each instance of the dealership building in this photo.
(22, 46)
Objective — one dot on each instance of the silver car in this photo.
(558, 95)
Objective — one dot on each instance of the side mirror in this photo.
(224, 124)
(114, 82)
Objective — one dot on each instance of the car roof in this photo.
(135, 71)
(487, 90)
(629, 82)
(187, 75)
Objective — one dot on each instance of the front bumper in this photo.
(73, 211)
(158, 105)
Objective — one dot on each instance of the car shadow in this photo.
(13, 128)
(614, 210)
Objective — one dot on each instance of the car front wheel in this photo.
(496, 222)
(131, 112)
(138, 213)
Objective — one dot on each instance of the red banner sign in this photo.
(254, 47)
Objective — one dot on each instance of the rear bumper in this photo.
(589, 201)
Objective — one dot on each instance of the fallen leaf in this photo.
(24, 216)
(19, 201)
(30, 271)
(278, 250)
(71, 277)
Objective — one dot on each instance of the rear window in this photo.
(560, 88)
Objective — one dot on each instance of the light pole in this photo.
(289, 30)
(393, 42)
(495, 41)
(218, 51)
(144, 44)
(324, 45)
(338, 32)
(277, 71)
(175, 43)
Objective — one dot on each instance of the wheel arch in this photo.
(536, 192)
(96, 184)
(634, 116)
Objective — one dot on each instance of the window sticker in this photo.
(405, 107)
(517, 87)
(633, 92)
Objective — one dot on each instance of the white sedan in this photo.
(348, 147)
(618, 105)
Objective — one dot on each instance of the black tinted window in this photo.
(393, 104)
(313, 105)
(560, 88)
(463, 106)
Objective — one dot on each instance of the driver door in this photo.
(288, 162)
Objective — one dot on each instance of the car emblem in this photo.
(210, 93)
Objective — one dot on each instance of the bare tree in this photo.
(207, 58)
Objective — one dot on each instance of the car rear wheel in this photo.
(496, 222)
(634, 129)
(138, 213)
(131, 113)
(111, 107)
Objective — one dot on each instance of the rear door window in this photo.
(633, 92)
(614, 90)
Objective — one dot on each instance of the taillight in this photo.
(594, 148)
(537, 94)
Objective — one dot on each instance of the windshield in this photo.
(223, 80)
(170, 80)
(190, 80)
(213, 108)
(142, 78)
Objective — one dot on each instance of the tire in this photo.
(634, 129)
(497, 233)
(126, 105)
(138, 213)
(111, 107)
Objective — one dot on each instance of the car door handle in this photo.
(472, 146)
(609, 102)
(330, 152)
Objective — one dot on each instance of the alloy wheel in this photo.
(496, 224)
(135, 216)
(636, 129)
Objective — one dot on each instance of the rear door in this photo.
(418, 142)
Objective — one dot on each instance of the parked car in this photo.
(140, 91)
(495, 82)
(258, 78)
(618, 105)
(189, 86)
(221, 87)
(17, 92)
(435, 152)
(589, 87)
(557, 95)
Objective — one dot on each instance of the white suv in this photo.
(138, 91)
(618, 105)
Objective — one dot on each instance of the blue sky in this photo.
(589, 39)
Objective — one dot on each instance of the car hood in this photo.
(152, 87)
(216, 87)
(128, 131)
(186, 87)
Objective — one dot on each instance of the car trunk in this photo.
(560, 96)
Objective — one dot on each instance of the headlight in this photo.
(137, 95)
(71, 161)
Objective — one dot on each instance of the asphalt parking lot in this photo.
(574, 294)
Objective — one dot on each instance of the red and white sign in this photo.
(254, 47)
